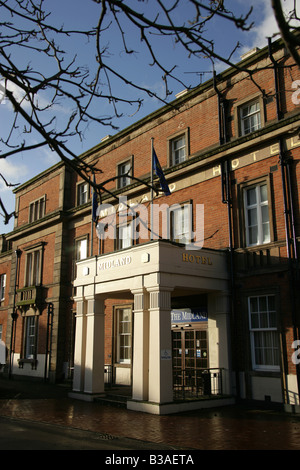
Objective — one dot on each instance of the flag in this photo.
(94, 204)
(160, 174)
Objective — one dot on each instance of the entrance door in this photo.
(190, 359)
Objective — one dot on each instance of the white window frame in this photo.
(30, 337)
(81, 248)
(181, 222)
(124, 235)
(82, 193)
(124, 335)
(124, 170)
(2, 286)
(263, 329)
(178, 149)
(260, 207)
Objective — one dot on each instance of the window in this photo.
(263, 332)
(2, 286)
(123, 173)
(37, 209)
(33, 268)
(181, 223)
(124, 236)
(250, 117)
(30, 337)
(257, 218)
(81, 248)
(178, 150)
(124, 335)
(82, 193)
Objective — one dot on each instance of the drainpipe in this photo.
(14, 314)
(48, 341)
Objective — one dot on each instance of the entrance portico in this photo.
(152, 274)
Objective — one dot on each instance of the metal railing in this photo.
(194, 383)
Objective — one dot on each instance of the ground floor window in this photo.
(30, 335)
(264, 332)
(124, 334)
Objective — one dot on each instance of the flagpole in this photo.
(151, 195)
(92, 225)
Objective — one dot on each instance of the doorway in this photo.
(191, 361)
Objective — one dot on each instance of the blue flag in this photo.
(160, 174)
(94, 204)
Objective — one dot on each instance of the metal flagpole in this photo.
(92, 222)
(151, 193)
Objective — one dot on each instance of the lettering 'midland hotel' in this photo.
(168, 319)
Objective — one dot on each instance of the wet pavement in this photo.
(228, 428)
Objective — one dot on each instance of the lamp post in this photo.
(14, 314)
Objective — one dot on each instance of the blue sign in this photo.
(189, 315)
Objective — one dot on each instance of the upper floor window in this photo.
(124, 236)
(257, 218)
(124, 170)
(178, 150)
(263, 332)
(81, 249)
(33, 268)
(250, 117)
(82, 193)
(37, 209)
(2, 286)
(181, 223)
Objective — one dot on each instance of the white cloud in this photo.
(13, 172)
(265, 23)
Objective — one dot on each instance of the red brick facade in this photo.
(211, 141)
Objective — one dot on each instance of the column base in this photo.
(84, 396)
(173, 407)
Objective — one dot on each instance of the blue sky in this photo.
(78, 13)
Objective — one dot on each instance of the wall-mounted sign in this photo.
(189, 315)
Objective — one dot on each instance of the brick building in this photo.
(207, 302)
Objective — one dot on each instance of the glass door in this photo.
(190, 358)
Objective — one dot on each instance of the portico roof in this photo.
(156, 263)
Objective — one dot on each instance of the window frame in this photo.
(238, 107)
(79, 185)
(118, 245)
(37, 209)
(254, 331)
(121, 180)
(37, 276)
(31, 357)
(120, 359)
(174, 209)
(174, 138)
(2, 286)
(78, 241)
(242, 191)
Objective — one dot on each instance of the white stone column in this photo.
(221, 302)
(140, 366)
(160, 346)
(94, 356)
(80, 344)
